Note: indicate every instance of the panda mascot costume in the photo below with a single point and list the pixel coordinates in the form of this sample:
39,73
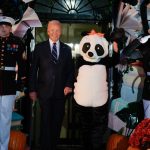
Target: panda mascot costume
91,89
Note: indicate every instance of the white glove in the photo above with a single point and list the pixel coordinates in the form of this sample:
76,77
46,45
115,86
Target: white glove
144,39
19,94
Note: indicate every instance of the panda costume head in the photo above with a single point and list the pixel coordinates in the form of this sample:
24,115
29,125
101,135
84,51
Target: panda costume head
93,47
91,87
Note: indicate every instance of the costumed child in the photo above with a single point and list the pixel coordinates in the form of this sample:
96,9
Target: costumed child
91,89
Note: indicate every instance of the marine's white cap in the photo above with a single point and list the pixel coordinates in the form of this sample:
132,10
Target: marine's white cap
5,19
27,1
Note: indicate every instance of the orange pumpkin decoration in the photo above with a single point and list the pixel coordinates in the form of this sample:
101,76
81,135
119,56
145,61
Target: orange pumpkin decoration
17,140
117,142
133,148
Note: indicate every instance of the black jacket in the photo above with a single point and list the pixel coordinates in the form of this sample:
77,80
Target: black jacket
11,53
47,78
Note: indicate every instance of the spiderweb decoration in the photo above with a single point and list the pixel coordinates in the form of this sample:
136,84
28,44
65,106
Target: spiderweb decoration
130,20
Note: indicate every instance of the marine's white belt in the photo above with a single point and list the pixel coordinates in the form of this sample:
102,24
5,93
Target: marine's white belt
8,68
148,73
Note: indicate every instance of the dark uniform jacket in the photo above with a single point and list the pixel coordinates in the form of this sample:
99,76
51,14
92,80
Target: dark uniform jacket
11,53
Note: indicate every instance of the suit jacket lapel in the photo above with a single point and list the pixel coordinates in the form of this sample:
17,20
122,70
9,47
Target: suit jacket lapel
48,49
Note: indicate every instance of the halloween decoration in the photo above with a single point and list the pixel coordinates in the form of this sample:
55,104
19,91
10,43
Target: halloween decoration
116,141
17,140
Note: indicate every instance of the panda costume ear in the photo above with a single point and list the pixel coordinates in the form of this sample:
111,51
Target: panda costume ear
84,33
118,34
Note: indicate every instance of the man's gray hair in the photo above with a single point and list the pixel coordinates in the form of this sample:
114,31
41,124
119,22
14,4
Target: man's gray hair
55,22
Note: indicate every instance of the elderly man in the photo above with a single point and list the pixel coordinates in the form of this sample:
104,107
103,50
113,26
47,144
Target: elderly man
51,79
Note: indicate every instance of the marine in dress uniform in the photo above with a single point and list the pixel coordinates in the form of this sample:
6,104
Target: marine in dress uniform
11,53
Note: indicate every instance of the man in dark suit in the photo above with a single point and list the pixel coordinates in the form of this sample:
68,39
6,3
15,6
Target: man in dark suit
51,79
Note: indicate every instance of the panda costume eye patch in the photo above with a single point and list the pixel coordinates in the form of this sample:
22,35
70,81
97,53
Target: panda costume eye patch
99,49
86,47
